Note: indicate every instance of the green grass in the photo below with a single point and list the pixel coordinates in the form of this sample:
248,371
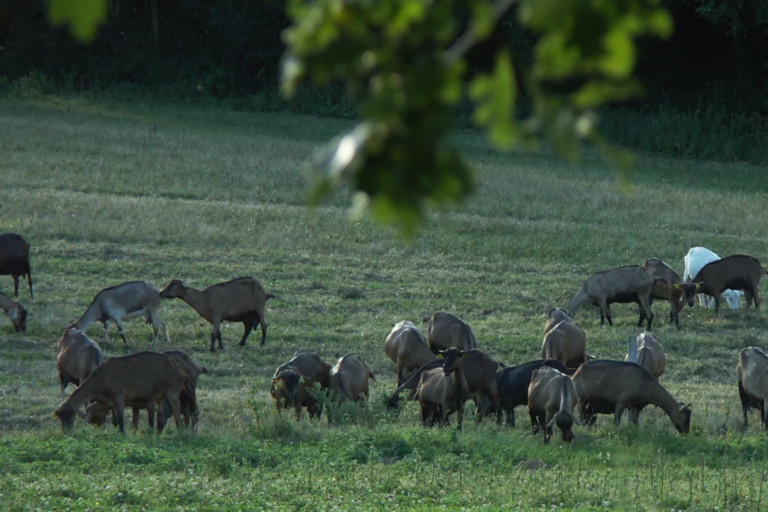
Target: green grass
108,192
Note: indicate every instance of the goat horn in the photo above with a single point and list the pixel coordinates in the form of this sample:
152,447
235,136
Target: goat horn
683,407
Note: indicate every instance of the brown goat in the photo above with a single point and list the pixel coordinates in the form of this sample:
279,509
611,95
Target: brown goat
15,312
552,399
407,348
668,286
445,330
78,357
512,384
609,387
650,355
752,375
442,391
141,378
631,283
564,341
121,302
14,260
480,373
239,300
737,272
293,381
188,397
96,413
349,378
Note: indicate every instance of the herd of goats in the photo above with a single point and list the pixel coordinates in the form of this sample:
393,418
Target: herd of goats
441,369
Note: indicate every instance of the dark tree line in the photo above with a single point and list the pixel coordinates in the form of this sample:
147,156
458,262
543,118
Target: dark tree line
230,48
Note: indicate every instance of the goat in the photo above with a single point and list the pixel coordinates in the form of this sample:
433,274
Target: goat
140,378
650,355
739,272
668,286
14,260
551,399
630,283
122,302
480,373
564,341
188,397
293,381
78,357
442,391
15,312
349,378
96,413
239,300
694,261
512,385
445,330
607,387
752,376
407,348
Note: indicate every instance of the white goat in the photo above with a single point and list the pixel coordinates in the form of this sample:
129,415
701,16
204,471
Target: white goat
696,258
124,301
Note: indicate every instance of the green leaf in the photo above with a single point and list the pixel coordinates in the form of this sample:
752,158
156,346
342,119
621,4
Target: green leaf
84,17
495,95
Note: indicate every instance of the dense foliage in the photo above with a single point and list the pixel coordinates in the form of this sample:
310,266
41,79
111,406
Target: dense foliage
226,47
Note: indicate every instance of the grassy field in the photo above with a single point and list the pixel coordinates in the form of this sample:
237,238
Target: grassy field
108,193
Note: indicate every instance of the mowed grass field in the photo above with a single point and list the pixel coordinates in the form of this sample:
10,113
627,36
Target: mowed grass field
110,192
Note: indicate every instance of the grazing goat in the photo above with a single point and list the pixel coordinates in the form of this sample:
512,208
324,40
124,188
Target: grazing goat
551,399
349,378
480,373
188,397
512,384
293,381
122,302
15,312
752,374
96,413
239,300
668,286
564,341
650,355
445,330
442,391
631,283
609,387
694,261
407,348
138,379
738,272
78,357
14,260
